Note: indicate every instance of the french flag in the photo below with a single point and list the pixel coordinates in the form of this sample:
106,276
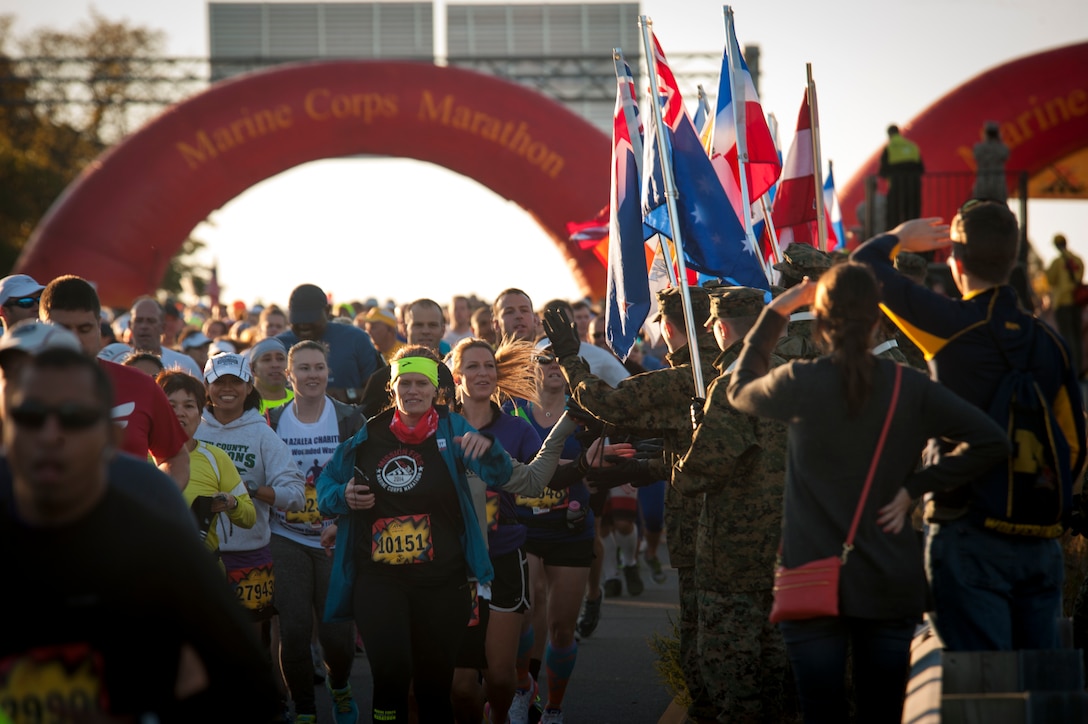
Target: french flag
836,235
628,286
763,164
794,212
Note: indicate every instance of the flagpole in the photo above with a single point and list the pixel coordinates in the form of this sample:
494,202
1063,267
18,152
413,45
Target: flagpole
770,228
740,122
635,132
821,222
670,200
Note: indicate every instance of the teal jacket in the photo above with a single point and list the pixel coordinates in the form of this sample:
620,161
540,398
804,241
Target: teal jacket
493,467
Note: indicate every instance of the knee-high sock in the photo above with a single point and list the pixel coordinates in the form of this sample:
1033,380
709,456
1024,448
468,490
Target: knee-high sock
628,545
608,560
525,645
560,664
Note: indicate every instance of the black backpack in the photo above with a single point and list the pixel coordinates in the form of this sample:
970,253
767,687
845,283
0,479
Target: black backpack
1038,494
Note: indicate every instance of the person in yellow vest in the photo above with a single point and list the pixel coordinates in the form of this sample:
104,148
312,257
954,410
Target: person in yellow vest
901,164
1063,275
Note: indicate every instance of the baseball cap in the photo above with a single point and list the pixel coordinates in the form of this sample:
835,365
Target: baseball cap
194,340
18,285
33,336
384,316
222,346
307,305
227,364
115,352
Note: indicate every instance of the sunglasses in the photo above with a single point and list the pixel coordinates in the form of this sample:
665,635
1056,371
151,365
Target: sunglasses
71,417
544,359
22,302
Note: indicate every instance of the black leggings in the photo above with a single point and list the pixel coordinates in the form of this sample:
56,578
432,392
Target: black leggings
411,634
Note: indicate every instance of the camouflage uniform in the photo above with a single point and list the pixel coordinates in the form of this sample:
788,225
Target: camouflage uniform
737,462
800,261
658,404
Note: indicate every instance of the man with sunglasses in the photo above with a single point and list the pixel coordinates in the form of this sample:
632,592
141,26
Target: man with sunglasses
137,622
141,408
19,296
996,585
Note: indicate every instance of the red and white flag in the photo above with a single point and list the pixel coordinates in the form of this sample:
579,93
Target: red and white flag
794,210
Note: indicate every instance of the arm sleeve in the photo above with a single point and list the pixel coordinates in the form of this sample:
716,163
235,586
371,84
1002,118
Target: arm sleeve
929,319
982,442
645,402
334,478
755,388
282,473
720,443
494,466
245,515
530,479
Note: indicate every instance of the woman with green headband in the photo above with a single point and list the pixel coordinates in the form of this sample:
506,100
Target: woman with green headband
409,541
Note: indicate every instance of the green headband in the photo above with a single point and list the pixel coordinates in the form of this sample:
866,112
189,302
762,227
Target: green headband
419,365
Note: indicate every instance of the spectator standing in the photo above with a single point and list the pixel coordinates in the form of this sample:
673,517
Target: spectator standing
991,154
1063,275
971,344
901,164
851,392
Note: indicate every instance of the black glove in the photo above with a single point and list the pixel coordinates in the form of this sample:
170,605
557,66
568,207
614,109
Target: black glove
633,470
697,404
561,333
568,474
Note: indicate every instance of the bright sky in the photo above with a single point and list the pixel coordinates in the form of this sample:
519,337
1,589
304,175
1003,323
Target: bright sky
875,62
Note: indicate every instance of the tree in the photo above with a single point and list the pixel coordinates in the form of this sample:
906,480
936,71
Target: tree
65,97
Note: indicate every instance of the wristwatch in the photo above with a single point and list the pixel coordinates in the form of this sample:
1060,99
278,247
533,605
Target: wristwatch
251,486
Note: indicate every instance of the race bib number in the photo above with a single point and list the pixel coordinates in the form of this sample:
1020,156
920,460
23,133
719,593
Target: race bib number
492,510
543,504
402,540
254,586
309,515
38,685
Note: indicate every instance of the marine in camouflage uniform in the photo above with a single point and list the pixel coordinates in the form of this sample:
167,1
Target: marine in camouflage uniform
658,404
737,464
800,261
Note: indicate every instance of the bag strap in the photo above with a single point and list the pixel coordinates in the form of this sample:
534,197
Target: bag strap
849,544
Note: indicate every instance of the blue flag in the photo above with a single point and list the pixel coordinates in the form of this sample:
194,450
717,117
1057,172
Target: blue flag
628,288
713,237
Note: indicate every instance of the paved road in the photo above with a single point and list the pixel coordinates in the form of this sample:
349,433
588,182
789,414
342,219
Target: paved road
614,681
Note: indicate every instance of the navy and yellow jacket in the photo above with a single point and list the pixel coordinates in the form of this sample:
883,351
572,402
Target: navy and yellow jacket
958,338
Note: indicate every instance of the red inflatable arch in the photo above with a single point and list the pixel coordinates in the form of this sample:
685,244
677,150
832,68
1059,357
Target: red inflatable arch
123,219
1041,102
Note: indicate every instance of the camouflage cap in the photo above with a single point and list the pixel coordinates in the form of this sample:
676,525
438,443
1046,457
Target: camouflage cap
669,302
912,265
730,302
802,260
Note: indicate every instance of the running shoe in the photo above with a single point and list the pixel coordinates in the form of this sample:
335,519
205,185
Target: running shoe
552,716
657,573
519,707
344,709
613,588
634,580
590,617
